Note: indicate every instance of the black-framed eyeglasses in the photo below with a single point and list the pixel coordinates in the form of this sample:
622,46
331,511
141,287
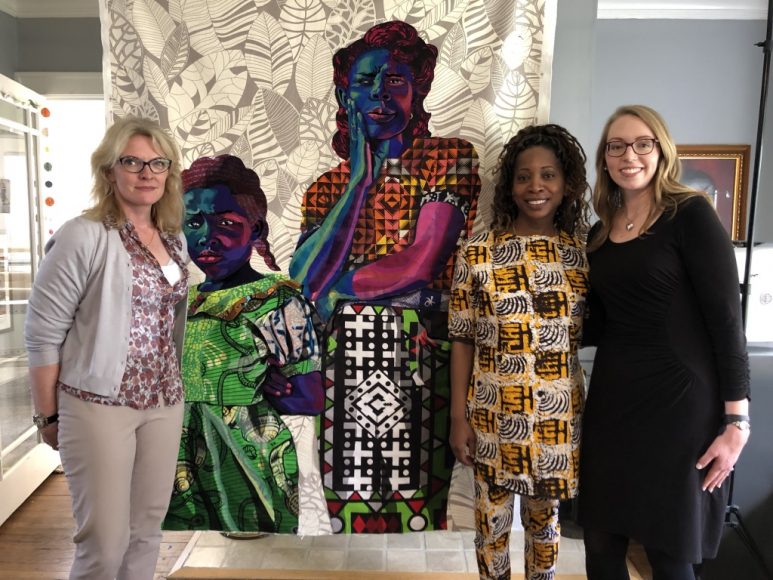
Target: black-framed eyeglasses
136,165
644,146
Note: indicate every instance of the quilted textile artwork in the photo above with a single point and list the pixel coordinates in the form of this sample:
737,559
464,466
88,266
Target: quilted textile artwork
384,456
255,79
238,467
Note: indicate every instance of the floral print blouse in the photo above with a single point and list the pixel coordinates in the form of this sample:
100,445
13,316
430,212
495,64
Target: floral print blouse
152,376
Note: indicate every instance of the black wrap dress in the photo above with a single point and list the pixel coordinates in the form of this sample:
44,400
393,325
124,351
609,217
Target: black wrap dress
665,311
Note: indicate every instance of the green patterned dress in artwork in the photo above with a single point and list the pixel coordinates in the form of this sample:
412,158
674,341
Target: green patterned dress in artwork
237,468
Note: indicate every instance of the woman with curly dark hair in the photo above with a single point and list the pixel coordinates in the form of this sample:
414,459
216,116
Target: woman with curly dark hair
517,388
572,214
379,233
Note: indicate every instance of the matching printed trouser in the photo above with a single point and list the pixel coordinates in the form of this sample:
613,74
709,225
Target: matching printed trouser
494,519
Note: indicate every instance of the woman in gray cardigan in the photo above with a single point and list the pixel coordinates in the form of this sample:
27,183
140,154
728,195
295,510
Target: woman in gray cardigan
103,332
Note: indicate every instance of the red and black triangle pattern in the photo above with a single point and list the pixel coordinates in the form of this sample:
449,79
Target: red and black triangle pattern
387,220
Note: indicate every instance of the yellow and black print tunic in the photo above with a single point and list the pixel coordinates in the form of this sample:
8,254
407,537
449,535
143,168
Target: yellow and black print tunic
520,300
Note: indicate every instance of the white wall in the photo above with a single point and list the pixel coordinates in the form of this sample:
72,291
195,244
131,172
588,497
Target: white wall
75,128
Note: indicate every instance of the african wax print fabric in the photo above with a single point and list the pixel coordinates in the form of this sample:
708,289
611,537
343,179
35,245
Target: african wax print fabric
238,467
384,434
520,300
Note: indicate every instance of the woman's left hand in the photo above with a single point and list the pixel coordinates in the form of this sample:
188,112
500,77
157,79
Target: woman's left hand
276,384
296,395
50,435
722,454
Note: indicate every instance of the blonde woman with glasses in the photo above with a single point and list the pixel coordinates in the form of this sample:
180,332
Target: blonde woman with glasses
667,410
103,332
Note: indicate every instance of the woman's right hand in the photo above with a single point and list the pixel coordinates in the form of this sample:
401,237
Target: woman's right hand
364,161
359,152
462,440
50,435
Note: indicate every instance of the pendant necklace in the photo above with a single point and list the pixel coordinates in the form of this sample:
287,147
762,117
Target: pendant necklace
629,222
152,237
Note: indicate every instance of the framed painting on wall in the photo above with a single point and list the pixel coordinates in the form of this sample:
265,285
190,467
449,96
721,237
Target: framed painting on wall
722,171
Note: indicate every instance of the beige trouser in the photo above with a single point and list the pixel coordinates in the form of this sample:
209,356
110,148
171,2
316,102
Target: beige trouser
120,465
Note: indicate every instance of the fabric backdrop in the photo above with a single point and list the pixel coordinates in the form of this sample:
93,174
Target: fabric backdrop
254,78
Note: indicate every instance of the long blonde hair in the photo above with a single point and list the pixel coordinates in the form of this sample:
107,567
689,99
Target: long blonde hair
668,191
167,212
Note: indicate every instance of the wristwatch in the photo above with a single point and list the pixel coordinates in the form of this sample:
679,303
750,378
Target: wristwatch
739,421
41,420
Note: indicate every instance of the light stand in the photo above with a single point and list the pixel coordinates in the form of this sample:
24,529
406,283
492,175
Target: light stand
734,521
733,517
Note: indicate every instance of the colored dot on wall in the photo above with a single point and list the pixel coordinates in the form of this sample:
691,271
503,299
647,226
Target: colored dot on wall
49,184
51,232
49,201
45,112
47,166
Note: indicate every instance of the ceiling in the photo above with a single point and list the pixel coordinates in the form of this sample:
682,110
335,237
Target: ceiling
699,9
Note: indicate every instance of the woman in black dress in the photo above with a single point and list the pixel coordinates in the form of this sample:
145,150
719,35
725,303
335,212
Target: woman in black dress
667,410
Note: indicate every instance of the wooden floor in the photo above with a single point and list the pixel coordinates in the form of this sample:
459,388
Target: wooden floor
36,541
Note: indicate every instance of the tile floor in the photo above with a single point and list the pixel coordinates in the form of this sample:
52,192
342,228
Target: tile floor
419,552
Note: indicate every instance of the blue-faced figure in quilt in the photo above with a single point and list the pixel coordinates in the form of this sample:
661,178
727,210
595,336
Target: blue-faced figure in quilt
376,255
251,355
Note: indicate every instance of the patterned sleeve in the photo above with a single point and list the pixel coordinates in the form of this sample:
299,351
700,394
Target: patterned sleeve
451,165
461,312
291,334
321,196
575,264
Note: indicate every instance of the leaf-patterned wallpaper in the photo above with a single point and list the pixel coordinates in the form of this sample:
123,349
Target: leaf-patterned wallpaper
254,78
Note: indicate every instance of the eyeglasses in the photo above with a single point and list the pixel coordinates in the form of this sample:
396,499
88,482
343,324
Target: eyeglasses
135,165
640,147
